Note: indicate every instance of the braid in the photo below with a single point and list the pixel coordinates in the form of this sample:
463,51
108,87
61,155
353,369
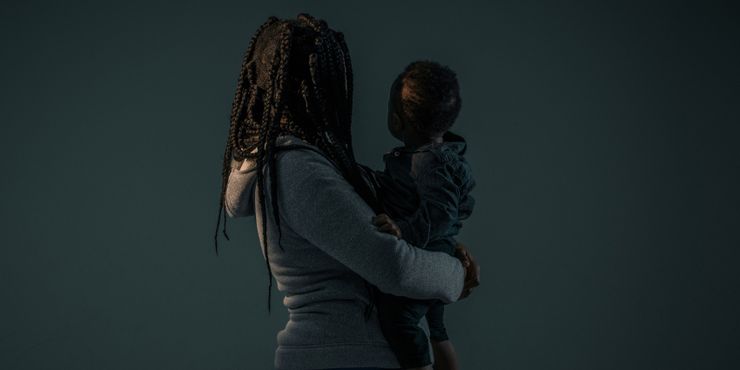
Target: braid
235,107
265,160
311,100
349,84
281,80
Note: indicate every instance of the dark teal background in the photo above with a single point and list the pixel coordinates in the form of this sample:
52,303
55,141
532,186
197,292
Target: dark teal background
604,138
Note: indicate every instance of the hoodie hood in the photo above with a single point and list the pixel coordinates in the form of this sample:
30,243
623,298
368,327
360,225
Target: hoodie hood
239,200
239,197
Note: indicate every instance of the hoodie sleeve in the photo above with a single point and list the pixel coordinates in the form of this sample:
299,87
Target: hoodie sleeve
239,197
321,206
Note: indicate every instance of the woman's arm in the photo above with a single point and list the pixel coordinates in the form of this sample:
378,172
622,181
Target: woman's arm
321,206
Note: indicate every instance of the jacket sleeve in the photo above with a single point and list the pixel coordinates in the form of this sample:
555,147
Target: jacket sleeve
439,198
321,206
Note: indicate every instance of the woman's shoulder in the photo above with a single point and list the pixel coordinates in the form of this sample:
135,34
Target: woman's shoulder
292,150
300,163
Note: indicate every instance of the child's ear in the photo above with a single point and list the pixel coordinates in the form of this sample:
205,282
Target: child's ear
396,122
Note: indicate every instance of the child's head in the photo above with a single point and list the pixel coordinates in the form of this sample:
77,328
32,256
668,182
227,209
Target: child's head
424,101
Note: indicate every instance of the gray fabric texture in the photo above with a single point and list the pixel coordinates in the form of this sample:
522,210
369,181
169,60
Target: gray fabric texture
329,250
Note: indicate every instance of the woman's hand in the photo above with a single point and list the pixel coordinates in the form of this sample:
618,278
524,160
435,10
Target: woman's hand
386,225
472,270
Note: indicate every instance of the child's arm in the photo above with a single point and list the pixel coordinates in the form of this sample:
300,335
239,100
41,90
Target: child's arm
439,199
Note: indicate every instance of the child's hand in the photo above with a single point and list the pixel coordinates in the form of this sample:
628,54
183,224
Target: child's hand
386,225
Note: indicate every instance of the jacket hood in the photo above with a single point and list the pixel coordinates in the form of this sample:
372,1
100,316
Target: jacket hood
455,142
450,140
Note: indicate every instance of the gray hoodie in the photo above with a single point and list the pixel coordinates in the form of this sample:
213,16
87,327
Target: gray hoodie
330,249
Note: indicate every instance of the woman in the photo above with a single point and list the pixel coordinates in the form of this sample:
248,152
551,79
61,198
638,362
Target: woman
289,161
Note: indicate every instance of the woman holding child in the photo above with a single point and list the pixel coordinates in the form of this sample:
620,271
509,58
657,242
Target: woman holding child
289,162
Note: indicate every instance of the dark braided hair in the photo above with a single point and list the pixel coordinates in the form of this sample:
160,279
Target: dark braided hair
295,79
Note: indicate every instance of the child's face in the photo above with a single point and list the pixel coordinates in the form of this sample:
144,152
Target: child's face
395,125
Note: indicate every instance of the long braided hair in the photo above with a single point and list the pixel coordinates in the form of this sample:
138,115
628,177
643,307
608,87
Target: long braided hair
296,79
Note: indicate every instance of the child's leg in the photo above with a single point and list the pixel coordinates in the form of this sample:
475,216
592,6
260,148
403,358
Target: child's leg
445,357
399,319
435,318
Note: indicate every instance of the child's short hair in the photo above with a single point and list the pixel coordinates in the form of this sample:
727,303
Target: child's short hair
428,96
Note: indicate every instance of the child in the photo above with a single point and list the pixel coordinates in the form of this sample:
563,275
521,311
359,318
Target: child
425,192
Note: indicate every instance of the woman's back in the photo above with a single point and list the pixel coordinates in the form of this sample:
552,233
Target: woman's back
328,250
